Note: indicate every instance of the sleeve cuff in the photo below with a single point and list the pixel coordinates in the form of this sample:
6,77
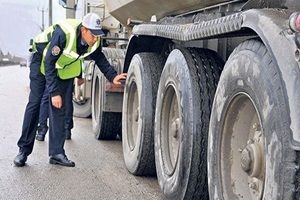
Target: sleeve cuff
53,94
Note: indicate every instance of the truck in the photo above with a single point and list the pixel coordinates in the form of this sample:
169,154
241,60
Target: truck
211,103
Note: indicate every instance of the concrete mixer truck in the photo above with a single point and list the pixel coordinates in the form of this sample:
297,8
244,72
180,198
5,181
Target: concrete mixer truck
211,104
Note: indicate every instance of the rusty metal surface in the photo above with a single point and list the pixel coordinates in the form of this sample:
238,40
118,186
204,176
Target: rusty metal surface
110,87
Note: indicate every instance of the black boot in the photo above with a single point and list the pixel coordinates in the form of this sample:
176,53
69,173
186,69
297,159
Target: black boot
68,134
61,159
40,136
20,159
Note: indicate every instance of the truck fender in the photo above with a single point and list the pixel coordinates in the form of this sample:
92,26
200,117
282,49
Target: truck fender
272,27
142,43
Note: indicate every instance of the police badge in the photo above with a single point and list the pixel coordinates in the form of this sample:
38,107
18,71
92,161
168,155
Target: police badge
55,50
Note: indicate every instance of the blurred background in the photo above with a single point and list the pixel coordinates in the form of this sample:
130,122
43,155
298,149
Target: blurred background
22,20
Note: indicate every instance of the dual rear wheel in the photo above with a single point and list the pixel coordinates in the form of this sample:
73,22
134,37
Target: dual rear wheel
234,144
164,123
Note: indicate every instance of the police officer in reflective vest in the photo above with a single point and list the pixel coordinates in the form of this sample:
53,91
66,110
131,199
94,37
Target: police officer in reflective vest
58,57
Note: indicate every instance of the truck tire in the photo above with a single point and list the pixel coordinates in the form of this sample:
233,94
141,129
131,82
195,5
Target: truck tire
81,102
106,125
185,94
138,113
249,152
82,106
82,109
115,57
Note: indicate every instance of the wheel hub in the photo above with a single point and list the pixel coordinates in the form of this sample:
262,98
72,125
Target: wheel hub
251,160
242,151
246,160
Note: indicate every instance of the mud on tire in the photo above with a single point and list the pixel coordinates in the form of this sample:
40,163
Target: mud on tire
249,128
138,113
185,95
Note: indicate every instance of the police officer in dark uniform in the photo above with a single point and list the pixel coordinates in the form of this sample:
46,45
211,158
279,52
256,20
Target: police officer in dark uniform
59,51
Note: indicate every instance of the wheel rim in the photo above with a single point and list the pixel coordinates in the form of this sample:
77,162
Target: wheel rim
170,130
242,151
133,116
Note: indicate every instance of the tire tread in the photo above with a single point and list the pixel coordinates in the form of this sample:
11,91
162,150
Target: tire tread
154,62
208,66
111,126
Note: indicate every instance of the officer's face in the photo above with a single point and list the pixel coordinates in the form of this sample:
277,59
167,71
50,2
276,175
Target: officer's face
88,37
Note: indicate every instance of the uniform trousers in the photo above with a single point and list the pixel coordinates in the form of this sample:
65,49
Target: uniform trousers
44,110
56,116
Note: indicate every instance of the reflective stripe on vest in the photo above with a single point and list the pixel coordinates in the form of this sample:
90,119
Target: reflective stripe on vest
69,64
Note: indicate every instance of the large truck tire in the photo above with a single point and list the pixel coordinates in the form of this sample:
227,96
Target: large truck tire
249,151
106,125
138,113
185,95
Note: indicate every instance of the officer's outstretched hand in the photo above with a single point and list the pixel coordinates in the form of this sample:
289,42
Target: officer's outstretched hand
120,78
56,101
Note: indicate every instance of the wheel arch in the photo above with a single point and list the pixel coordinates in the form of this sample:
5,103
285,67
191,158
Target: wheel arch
139,44
272,28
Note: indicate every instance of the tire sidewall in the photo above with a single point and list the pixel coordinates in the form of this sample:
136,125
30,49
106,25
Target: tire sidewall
139,75
97,117
248,72
177,74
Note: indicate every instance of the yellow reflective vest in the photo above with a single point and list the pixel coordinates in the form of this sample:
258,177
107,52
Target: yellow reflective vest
69,64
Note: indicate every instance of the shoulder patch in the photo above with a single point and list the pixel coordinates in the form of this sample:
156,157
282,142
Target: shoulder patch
55,50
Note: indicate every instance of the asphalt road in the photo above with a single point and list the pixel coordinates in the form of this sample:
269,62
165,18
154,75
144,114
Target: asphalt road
100,172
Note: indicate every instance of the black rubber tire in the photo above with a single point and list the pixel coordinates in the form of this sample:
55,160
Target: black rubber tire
115,57
82,110
251,70
192,74
138,143
106,125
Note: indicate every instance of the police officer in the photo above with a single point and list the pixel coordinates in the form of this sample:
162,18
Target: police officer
59,52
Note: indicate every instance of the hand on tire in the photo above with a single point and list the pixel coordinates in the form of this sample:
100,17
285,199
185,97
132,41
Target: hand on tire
120,78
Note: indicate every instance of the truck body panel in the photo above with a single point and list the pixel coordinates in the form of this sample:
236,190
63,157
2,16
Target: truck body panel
144,9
